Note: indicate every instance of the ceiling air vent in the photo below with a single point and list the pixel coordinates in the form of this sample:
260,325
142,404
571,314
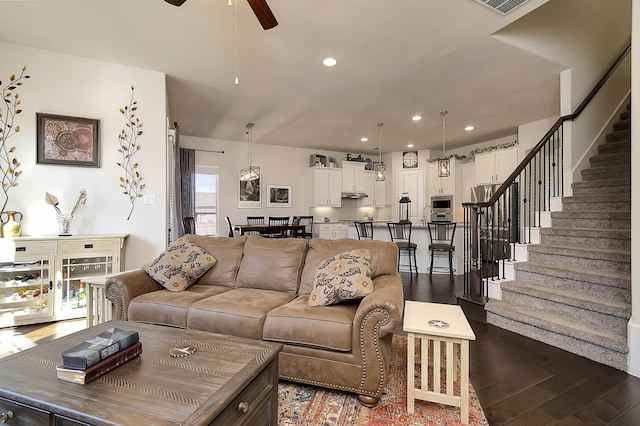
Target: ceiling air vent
502,6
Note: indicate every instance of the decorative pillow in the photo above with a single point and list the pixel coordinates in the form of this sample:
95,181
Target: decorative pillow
344,277
180,265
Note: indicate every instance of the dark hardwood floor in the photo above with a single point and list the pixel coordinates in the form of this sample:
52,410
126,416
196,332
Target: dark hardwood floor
520,381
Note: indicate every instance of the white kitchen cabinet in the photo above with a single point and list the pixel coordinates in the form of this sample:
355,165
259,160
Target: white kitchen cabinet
411,181
495,166
331,231
376,191
43,278
353,176
326,187
441,185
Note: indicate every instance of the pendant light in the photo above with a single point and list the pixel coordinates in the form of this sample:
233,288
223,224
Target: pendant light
250,172
379,167
443,163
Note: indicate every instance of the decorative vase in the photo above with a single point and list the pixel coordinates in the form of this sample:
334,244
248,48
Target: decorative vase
64,222
11,223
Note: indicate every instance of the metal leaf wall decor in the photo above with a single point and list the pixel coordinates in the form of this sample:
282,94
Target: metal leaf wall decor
131,182
9,109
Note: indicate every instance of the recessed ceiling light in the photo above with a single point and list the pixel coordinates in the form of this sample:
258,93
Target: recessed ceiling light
364,139
416,118
410,145
329,62
468,128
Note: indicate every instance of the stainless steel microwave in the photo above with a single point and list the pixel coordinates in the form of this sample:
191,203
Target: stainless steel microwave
442,204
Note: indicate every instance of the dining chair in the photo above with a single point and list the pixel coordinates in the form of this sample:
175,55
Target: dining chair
364,230
400,233
441,236
229,226
307,221
278,222
189,225
255,220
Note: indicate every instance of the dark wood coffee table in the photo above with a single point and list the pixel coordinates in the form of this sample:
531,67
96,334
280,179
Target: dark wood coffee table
228,380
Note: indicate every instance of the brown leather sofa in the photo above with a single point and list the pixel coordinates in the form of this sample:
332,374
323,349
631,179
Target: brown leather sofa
259,289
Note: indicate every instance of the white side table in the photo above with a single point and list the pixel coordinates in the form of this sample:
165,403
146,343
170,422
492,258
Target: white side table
99,308
439,347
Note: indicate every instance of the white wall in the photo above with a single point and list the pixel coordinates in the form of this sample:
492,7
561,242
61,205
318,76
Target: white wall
279,166
70,85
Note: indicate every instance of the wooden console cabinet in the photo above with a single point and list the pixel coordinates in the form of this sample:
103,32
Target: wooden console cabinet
43,278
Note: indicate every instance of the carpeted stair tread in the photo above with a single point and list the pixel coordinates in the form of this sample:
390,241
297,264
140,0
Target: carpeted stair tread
596,277
588,232
618,135
610,158
588,258
595,282
615,146
584,252
600,238
598,198
623,124
602,214
558,324
612,307
593,187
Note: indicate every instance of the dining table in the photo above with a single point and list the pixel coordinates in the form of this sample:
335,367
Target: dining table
293,231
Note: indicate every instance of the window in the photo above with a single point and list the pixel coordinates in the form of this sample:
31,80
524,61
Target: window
206,200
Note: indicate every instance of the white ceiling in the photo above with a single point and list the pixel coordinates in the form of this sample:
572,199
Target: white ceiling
396,59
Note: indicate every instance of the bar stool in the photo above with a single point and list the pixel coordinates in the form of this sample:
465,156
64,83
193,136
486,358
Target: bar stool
441,235
364,230
400,233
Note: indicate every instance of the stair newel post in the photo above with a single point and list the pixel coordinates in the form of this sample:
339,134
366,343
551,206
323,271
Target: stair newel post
475,273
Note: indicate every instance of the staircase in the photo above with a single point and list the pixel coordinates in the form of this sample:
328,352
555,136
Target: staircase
574,292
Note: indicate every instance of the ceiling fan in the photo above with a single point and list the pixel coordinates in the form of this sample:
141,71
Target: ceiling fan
259,7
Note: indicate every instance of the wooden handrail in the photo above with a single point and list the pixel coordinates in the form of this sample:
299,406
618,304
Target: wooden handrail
559,122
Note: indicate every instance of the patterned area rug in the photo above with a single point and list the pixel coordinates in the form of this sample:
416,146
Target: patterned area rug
307,405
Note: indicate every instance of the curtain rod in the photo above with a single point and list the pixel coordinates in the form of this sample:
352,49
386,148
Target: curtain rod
208,150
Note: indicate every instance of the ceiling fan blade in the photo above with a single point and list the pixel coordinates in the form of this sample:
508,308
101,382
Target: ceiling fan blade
263,13
175,2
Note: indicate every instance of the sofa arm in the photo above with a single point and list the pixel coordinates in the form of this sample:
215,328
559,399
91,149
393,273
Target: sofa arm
121,288
378,314
388,297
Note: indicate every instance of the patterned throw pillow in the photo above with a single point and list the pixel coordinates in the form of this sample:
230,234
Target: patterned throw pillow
344,277
180,265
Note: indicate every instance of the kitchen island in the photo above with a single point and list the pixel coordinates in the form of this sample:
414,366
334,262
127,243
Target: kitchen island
420,236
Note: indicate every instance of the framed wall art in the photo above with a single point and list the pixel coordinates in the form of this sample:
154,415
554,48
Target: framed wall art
68,141
278,195
249,194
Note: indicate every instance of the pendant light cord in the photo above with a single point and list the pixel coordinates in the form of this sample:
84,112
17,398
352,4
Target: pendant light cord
443,113
380,142
235,6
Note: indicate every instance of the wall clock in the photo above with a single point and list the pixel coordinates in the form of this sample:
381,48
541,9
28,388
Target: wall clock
409,159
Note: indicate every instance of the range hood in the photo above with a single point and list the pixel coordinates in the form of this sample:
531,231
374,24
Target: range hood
354,195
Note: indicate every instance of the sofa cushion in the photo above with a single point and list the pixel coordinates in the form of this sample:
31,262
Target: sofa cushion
239,312
227,250
384,257
180,265
296,323
343,277
169,307
272,263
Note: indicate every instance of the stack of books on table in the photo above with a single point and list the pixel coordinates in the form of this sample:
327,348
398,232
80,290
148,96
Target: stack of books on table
95,357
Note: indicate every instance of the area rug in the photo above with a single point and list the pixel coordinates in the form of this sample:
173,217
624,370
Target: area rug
310,406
